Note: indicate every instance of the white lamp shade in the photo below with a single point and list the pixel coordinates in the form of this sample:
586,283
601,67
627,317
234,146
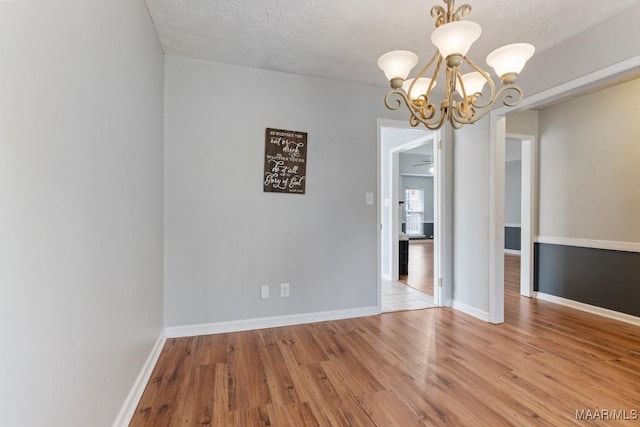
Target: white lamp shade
510,58
420,88
397,63
455,37
473,83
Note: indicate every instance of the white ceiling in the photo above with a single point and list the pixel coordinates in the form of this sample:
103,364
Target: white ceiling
342,39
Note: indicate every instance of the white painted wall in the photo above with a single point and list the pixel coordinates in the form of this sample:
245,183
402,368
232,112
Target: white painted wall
80,207
589,157
224,236
470,217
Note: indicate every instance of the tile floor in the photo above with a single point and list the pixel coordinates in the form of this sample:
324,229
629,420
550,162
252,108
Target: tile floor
397,296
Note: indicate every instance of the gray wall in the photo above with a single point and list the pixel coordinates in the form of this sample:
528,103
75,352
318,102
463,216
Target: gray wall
588,190
512,203
80,207
470,221
598,277
224,237
589,175
512,193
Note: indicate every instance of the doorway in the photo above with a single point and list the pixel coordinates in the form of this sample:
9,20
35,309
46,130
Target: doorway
518,218
417,197
520,239
408,177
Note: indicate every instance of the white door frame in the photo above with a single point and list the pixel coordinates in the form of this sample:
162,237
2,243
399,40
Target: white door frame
497,138
393,227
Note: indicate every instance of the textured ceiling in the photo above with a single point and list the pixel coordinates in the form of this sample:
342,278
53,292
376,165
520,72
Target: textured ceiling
342,39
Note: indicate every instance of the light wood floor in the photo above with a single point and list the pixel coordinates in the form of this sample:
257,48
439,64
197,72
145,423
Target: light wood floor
426,367
420,266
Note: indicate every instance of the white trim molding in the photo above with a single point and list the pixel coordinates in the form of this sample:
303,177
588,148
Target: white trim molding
133,398
512,252
605,312
587,243
267,322
513,225
471,311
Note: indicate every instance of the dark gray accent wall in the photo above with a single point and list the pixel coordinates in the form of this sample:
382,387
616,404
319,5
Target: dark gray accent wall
599,277
427,228
512,238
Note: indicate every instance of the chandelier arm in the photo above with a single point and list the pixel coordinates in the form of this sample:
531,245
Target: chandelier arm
456,124
475,101
462,12
428,110
437,124
509,100
425,115
438,13
423,71
465,109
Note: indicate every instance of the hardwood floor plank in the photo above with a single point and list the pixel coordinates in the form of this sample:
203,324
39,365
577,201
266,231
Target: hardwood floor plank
199,406
279,380
420,275
247,378
385,409
162,400
296,415
253,417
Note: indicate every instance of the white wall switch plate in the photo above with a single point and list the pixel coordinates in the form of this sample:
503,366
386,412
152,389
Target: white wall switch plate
264,292
369,198
284,290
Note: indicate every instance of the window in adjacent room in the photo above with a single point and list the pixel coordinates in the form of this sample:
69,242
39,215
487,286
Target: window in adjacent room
414,205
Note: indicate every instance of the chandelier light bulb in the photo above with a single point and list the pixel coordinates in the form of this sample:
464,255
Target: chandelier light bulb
397,64
510,59
473,83
420,88
455,38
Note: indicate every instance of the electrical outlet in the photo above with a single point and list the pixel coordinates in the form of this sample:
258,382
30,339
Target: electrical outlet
284,290
264,292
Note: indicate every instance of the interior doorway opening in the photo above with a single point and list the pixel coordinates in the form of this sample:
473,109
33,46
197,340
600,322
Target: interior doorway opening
417,199
408,184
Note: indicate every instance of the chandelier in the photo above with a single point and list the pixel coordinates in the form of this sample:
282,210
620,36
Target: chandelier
463,102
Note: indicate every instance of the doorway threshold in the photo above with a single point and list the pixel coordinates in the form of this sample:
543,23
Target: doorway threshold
397,296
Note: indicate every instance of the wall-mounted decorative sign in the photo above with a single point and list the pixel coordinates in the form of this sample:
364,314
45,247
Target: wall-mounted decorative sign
285,161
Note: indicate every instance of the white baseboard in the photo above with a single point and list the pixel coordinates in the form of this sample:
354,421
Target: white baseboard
623,317
268,322
512,252
471,311
131,402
